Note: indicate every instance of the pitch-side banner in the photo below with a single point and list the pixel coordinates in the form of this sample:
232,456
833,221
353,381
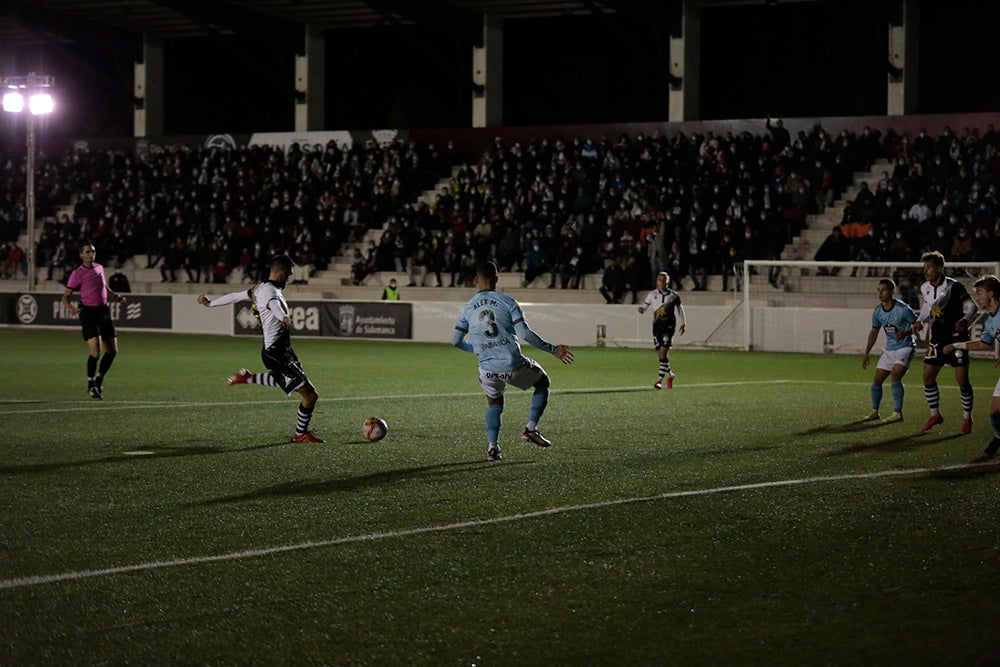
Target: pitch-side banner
336,319
140,311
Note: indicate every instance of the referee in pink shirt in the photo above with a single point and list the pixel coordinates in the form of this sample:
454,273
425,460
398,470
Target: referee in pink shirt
95,316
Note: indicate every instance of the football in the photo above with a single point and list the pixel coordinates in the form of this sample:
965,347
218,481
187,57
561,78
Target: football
375,429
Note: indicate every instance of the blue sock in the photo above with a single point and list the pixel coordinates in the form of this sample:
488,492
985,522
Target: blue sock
995,422
897,397
876,396
538,402
493,413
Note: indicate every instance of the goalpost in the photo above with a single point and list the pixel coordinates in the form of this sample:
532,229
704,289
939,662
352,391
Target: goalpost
785,299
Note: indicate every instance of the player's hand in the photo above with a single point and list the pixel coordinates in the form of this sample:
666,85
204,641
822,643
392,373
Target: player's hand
961,325
564,354
286,321
947,349
997,362
864,361
683,329
203,300
900,335
917,327
641,310
120,298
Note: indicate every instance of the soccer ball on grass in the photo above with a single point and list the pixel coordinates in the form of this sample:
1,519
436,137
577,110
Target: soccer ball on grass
374,429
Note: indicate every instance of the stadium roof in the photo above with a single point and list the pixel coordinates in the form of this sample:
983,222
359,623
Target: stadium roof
27,22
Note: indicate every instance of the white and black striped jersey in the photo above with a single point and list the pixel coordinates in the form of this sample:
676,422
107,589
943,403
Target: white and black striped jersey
269,306
666,306
943,306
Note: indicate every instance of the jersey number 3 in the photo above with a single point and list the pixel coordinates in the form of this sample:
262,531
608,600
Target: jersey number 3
489,319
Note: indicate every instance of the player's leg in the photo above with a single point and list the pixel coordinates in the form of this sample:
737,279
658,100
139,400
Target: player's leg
896,384
533,376
932,366
876,390
994,445
493,385
306,407
965,389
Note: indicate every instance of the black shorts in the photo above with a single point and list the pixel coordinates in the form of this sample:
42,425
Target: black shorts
285,368
663,334
934,357
96,321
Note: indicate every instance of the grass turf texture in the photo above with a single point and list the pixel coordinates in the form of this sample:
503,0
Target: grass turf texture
895,569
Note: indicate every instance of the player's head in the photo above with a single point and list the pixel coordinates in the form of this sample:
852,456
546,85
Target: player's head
987,285
933,265
662,280
487,274
886,287
281,268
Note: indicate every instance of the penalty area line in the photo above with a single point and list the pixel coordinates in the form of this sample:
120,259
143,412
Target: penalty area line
23,582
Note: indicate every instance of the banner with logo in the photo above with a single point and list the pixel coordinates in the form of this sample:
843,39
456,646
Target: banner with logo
336,319
140,311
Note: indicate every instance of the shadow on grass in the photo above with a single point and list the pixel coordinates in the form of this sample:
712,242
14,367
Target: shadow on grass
897,444
989,466
314,488
157,453
849,427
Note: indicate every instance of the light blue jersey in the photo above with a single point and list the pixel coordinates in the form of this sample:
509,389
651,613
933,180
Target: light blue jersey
489,326
991,328
900,318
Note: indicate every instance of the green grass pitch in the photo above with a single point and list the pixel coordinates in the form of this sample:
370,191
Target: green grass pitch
740,518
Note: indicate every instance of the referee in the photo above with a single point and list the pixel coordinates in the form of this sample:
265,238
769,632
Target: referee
95,316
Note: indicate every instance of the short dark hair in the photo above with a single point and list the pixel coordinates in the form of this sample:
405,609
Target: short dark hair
487,270
889,283
936,257
991,283
282,262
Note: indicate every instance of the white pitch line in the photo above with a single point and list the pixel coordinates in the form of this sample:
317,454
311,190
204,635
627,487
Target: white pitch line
23,582
82,406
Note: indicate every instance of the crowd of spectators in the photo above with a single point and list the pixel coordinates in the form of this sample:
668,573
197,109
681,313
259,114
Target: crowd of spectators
558,209
941,194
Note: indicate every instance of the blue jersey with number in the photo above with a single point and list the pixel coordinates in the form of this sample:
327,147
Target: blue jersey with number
900,318
991,328
491,321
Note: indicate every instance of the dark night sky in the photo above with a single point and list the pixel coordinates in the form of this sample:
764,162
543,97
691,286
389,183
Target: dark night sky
802,59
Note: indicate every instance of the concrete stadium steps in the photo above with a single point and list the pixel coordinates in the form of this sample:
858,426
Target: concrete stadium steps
818,227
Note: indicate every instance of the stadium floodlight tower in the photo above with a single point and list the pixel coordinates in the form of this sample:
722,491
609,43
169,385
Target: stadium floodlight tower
22,93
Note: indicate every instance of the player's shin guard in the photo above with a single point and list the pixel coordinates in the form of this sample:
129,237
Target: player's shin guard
305,415
897,397
933,397
493,413
967,397
876,396
91,367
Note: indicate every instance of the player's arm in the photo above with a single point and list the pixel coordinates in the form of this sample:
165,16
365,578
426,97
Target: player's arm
906,333
276,308
872,336
560,352
66,302
681,319
458,338
224,300
970,308
975,345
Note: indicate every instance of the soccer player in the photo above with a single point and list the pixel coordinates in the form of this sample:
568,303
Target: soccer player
897,319
950,310
492,321
283,367
95,316
667,304
986,292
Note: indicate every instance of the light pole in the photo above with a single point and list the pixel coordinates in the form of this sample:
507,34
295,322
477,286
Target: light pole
17,91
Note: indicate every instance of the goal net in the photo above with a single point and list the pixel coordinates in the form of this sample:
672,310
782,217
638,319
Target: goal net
801,306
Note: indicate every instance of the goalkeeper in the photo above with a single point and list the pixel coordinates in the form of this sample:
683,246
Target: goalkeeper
667,310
